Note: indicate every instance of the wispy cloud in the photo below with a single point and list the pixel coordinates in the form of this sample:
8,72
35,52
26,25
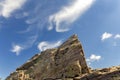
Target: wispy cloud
117,36
21,15
48,45
7,7
106,36
93,58
68,14
30,41
17,49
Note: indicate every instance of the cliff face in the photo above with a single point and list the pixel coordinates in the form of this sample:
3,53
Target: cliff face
67,62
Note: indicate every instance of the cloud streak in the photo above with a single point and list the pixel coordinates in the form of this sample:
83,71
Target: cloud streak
48,45
68,14
7,7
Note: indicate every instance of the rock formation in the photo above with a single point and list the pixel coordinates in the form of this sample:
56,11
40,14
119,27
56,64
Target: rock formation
112,73
67,62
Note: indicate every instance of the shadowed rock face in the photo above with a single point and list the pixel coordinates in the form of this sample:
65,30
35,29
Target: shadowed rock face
67,62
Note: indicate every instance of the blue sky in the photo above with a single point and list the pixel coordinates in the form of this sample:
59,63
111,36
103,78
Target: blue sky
28,27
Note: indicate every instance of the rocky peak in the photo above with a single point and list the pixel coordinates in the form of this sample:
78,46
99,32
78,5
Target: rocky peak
71,40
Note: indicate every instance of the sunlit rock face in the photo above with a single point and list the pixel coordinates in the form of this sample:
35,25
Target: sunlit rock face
67,62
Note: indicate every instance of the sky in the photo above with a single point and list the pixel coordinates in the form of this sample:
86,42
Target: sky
28,27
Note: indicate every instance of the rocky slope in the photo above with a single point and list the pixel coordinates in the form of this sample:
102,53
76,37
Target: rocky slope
67,62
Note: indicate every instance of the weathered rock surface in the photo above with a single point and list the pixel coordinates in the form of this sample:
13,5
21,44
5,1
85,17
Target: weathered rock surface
112,73
67,62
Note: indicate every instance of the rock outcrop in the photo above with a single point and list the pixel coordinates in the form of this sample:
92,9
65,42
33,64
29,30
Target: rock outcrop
67,62
112,73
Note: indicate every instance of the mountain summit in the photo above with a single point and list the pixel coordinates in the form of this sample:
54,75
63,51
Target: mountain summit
67,62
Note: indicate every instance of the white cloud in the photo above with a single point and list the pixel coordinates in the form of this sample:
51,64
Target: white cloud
17,49
106,36
22,46
117,36
9,6
93,58
68,14
114,38
48,45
